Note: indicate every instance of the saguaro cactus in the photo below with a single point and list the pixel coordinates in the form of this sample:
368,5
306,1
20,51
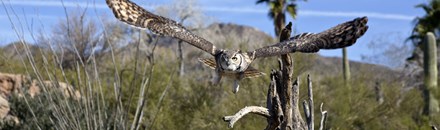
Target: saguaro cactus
430,73
345,65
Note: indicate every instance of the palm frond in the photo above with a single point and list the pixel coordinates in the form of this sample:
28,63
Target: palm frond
271,14
430,22
425,7
292,10
262,1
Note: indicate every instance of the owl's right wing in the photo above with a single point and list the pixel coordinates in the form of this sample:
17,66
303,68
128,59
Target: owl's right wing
342,35
132,14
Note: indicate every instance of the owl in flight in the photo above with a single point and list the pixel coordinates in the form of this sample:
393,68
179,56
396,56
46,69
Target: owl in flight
235,64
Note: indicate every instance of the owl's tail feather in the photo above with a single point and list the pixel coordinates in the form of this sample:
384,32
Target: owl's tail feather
250,72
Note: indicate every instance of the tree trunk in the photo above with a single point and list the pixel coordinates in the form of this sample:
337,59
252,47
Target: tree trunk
289,93
279,22
282,111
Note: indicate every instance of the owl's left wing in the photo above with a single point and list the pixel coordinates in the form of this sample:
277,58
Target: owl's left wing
132,14
342,35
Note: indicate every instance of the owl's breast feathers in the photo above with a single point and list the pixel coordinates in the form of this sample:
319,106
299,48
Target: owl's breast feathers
249,72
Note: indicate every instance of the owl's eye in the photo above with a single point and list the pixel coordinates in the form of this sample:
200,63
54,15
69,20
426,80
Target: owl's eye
234,58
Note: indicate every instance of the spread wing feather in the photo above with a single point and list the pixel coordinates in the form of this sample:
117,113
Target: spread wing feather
209,62
342,35
132,14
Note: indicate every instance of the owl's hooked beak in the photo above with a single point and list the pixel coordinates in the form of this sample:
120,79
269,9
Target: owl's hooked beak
231,67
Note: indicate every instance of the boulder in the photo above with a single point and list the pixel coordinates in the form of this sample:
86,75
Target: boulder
16,84
11,83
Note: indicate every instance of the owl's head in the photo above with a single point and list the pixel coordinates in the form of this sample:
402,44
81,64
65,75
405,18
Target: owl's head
231,61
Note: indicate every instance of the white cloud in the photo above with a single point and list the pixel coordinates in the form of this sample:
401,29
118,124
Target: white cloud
377,15
31,16
311,13
355,14
59,3
234,9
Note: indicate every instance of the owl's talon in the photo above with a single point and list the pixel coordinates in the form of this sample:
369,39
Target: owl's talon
216,79
236,87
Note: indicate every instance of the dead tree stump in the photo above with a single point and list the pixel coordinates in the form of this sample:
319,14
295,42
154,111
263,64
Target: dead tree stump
282,110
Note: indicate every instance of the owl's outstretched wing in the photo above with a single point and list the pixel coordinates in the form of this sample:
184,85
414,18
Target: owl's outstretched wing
132,14
342,35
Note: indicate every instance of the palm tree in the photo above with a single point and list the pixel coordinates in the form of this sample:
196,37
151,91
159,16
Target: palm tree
277,12
428,23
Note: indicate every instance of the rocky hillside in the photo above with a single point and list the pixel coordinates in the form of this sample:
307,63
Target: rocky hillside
243,34
328,66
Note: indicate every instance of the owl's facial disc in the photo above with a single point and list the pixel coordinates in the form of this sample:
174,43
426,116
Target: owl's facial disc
230,61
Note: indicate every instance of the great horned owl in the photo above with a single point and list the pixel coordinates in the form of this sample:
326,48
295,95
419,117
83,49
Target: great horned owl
235,64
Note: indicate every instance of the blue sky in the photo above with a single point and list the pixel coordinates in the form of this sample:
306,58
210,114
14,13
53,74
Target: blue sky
385,16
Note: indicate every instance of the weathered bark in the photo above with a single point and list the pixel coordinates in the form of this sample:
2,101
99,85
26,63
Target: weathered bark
323,118
274,103
250,109
288,92
433,127
275,113
308,106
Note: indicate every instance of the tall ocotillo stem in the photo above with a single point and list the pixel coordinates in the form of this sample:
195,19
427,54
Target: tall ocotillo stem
430,73
181,64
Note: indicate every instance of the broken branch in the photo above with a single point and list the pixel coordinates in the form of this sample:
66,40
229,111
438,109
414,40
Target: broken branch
323,118
262,111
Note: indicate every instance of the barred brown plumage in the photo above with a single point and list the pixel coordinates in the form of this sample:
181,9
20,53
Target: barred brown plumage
340,36
134,15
